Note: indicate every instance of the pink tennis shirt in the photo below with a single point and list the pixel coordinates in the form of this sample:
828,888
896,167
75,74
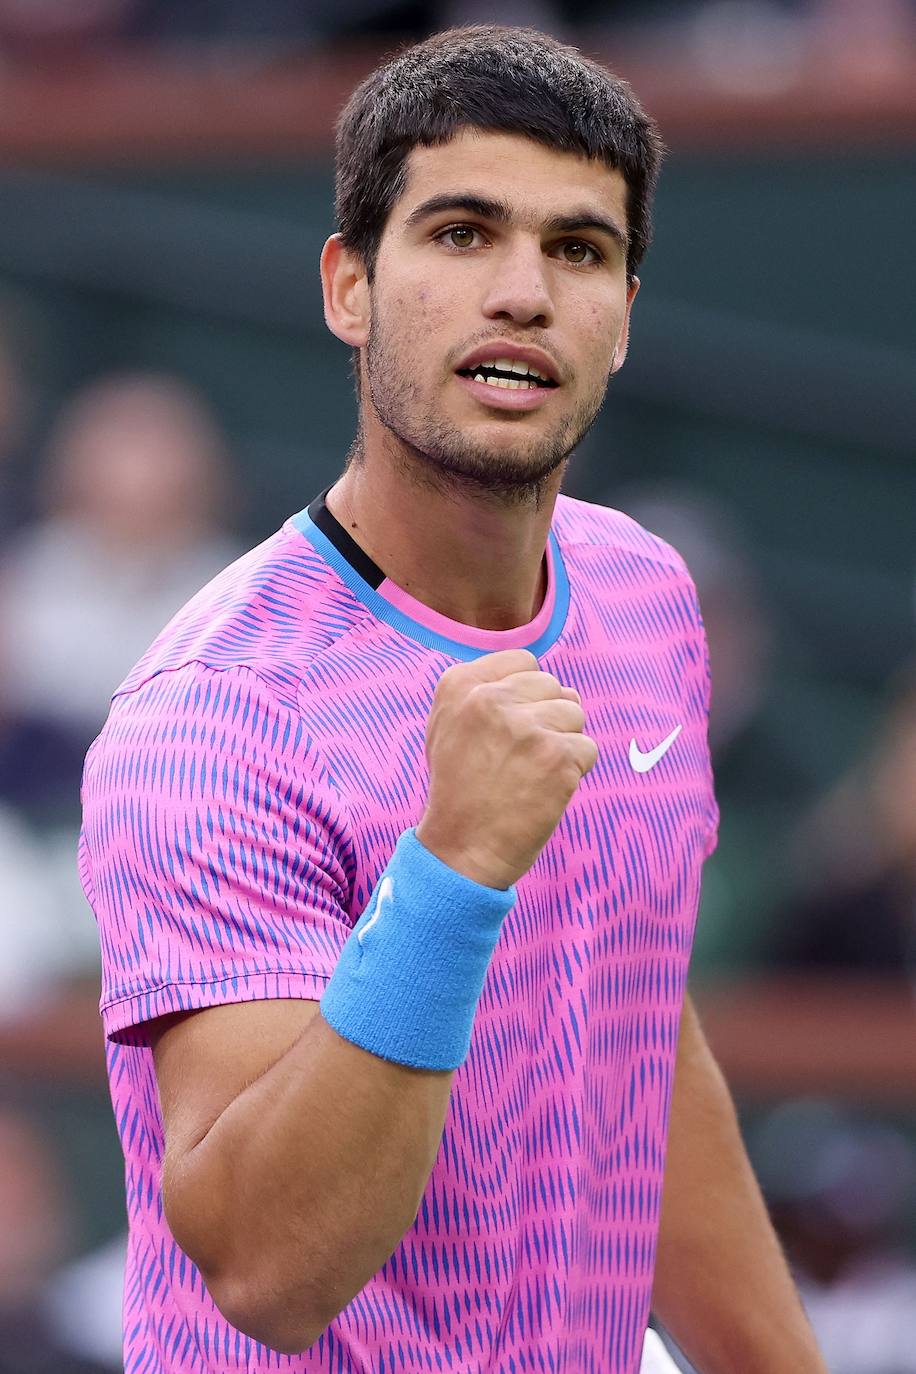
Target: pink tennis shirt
240,804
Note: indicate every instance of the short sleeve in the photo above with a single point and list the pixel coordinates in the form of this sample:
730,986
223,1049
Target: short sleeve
214,850
712,809
701,684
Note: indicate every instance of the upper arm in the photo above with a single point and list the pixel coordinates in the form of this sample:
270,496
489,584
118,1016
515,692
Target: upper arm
695,1060
690,1036
205,1060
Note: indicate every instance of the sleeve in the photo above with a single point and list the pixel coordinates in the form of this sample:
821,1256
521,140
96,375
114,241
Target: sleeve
700,679
214,850
712,810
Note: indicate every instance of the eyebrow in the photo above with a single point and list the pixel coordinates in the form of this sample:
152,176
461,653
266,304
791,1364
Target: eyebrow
500,212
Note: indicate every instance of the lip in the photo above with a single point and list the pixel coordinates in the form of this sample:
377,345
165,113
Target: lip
501,348
507,398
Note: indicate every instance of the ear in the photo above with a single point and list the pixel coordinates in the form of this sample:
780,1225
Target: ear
345,288
623,338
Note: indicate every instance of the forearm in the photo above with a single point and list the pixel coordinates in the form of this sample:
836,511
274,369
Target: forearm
722,1286
305,1184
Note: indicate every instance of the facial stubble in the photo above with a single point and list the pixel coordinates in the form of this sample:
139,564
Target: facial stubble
450,458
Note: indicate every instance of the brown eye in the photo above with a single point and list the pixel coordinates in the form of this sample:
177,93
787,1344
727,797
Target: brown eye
461,236
575,251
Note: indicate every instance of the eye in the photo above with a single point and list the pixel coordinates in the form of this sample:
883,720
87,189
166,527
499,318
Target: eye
578,253
458,236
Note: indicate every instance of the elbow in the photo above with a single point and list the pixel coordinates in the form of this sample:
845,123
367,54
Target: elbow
277,1321
239,1283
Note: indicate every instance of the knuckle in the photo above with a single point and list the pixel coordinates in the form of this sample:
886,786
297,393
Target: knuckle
551,753
575,713
522,728
550,680
589,755
572,776
483,696
445,684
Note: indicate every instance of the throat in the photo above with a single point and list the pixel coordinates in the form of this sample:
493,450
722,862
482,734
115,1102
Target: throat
465,605
475,563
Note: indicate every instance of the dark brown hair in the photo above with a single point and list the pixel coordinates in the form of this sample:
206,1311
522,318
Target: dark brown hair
504,80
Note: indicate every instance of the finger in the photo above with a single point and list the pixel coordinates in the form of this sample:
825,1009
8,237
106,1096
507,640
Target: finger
492,667
530,686
564,716
585,752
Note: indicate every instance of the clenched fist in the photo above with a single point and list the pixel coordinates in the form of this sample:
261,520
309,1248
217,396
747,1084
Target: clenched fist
506,752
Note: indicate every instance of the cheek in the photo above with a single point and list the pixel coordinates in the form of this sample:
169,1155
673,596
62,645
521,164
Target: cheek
423,323
600,331
403,304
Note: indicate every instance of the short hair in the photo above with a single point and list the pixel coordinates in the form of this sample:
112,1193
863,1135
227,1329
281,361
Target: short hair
494,78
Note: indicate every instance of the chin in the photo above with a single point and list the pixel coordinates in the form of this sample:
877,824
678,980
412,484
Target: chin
502,474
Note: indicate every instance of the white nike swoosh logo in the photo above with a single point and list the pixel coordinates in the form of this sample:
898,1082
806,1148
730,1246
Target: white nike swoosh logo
643,762
385,893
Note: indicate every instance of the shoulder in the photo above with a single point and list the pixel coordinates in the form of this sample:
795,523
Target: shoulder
582,525
630,578
268,614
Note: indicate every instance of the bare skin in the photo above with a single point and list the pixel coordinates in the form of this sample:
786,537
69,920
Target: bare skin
465,551
452,493
722,1286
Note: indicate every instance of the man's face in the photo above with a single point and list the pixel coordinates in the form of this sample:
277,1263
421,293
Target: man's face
500,250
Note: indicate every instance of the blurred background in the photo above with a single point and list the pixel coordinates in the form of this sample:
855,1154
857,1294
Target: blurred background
169,394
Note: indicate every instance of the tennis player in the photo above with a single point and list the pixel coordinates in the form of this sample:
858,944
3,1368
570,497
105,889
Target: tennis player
395,834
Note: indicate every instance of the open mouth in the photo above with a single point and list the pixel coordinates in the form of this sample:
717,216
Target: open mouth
510,374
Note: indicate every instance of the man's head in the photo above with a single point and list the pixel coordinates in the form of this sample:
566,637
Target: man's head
502,80
494,193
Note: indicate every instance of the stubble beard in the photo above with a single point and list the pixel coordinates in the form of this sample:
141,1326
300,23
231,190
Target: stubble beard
442,455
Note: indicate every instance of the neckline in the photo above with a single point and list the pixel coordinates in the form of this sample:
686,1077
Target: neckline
397,608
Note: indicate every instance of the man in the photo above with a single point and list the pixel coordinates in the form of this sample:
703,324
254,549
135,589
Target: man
413,1020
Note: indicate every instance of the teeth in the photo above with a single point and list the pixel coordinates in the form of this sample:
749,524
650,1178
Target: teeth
506,383
516,366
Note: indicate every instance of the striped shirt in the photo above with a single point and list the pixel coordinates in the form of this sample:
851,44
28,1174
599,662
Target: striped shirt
246,792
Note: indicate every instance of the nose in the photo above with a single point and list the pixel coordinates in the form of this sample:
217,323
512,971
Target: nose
518,289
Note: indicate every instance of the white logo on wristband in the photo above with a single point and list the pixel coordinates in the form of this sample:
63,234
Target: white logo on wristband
385,893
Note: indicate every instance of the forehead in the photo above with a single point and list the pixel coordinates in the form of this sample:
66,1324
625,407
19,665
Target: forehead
537,181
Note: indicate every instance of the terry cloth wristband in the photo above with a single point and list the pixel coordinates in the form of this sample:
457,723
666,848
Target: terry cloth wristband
411,973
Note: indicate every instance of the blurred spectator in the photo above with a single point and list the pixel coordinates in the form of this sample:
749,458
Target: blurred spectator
855,861
35,1227
32,950
133,490
83,1304
14,404
840,1189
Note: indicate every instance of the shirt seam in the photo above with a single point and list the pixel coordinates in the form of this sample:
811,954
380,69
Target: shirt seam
118,999
444,645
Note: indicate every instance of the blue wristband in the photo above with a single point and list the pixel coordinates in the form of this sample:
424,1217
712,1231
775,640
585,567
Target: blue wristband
410,976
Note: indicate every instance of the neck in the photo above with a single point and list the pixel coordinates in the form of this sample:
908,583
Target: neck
472,556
